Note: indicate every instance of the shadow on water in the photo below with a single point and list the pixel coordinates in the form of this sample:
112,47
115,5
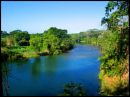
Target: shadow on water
5,73
48,64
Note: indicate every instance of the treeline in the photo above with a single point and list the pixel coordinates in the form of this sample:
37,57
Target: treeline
22,44
90,36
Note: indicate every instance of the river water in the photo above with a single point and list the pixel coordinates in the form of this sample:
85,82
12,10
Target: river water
46,75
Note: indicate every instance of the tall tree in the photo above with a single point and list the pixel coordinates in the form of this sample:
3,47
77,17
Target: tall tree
114,62
117,18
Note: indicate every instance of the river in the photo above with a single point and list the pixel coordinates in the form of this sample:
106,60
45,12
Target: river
46,75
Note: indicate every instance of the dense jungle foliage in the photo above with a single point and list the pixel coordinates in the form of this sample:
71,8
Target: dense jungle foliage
20,44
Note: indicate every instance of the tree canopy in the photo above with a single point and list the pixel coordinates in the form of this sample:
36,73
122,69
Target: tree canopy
21,37
116,19
56,40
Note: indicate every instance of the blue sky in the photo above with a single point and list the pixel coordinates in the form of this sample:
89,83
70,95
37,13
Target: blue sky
37,16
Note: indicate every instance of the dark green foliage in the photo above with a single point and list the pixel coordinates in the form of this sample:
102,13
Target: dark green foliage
4,34
116,19
58,32
15,32
22,37
73,89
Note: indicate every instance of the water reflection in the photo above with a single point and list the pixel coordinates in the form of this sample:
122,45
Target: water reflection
47,64
52,72
36,68
19,63
50,65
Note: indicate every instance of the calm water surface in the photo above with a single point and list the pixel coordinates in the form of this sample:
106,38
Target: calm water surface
46,75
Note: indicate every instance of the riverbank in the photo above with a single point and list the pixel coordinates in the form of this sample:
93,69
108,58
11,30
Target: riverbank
23,53
16,53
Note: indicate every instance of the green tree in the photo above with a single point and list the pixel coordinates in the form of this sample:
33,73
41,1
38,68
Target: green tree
4,33
21,37
36,42
56,41
115,20
51,43
115,46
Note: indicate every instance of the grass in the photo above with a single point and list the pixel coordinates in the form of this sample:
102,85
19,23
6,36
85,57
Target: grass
30,54
115,85
16,53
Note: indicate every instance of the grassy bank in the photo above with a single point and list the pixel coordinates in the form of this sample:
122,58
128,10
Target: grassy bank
24,52
17,53
117,84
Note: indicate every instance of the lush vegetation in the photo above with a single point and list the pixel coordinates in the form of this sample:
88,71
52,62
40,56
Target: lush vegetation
21,45
88,37
114,62
113,42
56,41
114,45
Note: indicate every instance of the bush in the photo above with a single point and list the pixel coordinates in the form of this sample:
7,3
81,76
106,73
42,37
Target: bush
73,89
